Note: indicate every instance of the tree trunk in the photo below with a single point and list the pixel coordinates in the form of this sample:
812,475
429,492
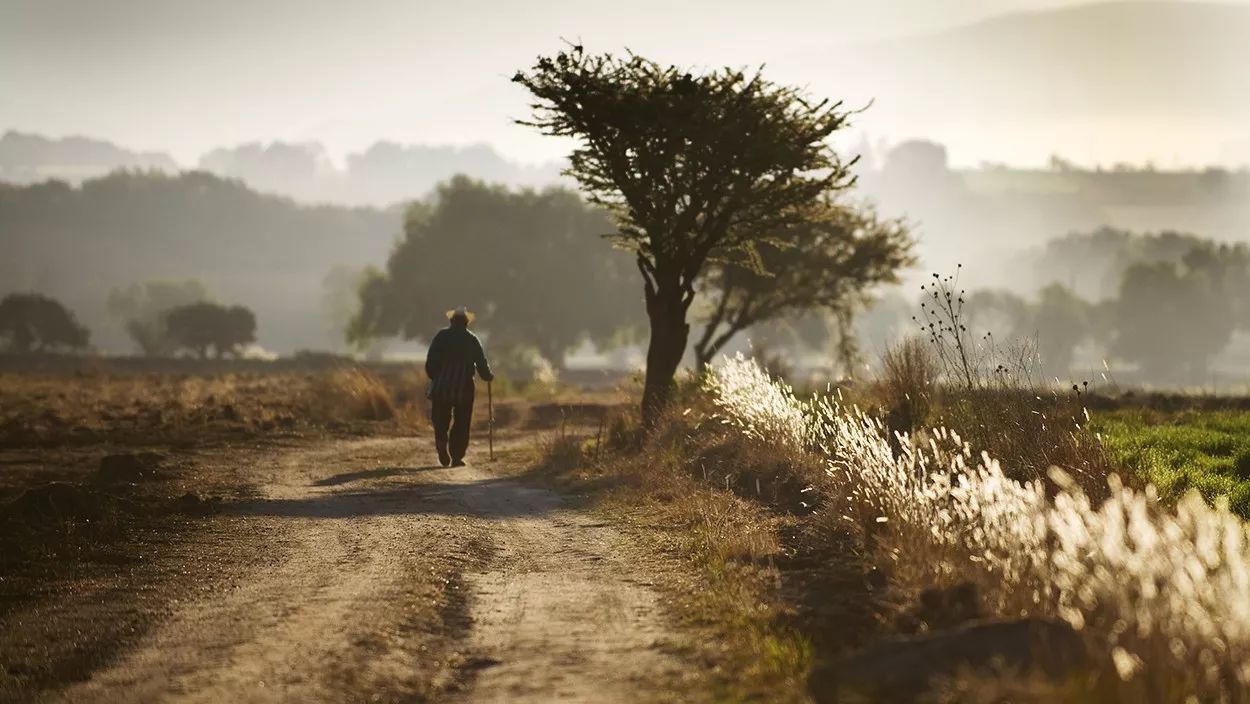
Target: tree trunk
669,333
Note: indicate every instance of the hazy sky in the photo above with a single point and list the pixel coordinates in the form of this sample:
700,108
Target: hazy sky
187,75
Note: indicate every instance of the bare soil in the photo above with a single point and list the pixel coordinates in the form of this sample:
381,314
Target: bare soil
347,569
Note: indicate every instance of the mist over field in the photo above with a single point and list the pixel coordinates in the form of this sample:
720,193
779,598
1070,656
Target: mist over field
993,129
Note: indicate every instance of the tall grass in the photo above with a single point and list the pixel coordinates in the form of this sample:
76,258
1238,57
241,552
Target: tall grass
1161,596
351,394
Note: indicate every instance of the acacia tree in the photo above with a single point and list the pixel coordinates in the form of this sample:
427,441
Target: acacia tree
691,166
826,262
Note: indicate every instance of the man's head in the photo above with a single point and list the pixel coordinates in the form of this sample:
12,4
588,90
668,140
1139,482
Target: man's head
460,317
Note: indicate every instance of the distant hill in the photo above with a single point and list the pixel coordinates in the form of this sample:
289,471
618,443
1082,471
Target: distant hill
384,174
1078,81
266,252
26,158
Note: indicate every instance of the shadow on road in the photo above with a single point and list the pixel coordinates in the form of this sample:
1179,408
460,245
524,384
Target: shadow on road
378,473
484,498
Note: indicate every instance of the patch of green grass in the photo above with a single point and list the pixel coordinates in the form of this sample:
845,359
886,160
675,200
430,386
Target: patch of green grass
1207,451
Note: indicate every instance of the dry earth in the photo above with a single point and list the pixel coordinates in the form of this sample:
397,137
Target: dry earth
353,570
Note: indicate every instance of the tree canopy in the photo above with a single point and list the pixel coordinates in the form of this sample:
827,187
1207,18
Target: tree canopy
828,262
531,264
200,326
31,322
691,166
1171,320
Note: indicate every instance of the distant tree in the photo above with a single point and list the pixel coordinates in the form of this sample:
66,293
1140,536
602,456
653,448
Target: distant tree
918,160
340,297
141,309
692,167
826,263
30,322
530,264
1061,321
1094,263
1052,326
997,311
200,326
1227,267
1170,320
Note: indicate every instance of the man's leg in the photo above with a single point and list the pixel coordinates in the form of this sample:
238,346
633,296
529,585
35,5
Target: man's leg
440,418
460,430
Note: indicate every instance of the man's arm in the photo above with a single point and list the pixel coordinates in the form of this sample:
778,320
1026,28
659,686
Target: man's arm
434,356
479,360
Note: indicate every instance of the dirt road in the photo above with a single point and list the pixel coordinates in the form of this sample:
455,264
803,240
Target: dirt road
373,576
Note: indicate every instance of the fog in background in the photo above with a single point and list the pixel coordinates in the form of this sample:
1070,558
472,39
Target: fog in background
994,127
997,80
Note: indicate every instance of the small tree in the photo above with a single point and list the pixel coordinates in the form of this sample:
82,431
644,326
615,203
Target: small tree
31,322
691,166
825,263
201,326
1062,322
141,308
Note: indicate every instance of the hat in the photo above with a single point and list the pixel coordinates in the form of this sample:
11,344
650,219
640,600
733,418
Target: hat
461,312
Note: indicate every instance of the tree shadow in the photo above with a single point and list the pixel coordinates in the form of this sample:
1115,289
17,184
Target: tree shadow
488,498
377,473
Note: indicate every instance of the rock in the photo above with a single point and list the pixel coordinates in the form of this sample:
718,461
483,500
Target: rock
904,669
192,505
129,468
940,608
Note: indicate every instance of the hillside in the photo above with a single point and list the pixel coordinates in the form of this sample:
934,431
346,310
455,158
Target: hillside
381,175
266,252
26,158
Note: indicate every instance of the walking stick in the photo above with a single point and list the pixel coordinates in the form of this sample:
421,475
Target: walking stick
490,423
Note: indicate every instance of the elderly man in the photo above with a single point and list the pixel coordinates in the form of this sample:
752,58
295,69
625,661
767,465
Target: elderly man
455,353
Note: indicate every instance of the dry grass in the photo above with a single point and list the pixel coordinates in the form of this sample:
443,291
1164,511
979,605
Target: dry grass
350,394
1161,597
1027,426
907,384
84,408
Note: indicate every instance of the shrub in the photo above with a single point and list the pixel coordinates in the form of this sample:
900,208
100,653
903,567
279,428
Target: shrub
907,384
351,394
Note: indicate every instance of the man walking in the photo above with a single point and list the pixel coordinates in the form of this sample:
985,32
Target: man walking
455,353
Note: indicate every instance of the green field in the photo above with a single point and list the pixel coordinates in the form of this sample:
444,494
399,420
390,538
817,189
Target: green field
1176,451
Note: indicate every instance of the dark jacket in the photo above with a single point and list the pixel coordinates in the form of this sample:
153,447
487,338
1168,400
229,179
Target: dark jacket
454,355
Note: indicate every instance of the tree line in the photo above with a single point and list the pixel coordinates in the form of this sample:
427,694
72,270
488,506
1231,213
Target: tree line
1168,303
